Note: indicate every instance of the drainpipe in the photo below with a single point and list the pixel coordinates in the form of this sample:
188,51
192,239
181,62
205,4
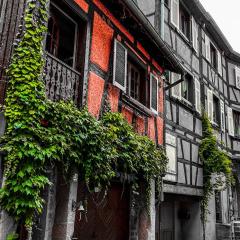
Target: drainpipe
162,19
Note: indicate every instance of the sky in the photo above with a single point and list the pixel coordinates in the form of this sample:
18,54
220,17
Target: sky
227,15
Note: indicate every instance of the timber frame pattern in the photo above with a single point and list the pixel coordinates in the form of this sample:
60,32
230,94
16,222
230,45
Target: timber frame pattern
176,123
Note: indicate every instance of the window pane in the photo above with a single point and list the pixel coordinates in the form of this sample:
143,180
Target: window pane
216,110
136,82
184,21
187,88
61,36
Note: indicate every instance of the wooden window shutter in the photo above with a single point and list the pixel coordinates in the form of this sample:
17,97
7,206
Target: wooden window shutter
194,34
237,76
210,104
154,93
219,63
222,115
175,13
176,90
197,95
230,122
120,66
207,48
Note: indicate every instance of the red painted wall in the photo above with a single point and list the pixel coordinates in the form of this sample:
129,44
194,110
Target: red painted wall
104,27
102,37
83,4
113,97
95,92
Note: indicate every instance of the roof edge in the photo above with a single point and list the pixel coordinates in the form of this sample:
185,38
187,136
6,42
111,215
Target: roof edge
155,37
229,51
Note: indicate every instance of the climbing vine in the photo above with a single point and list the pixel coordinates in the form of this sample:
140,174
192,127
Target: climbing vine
41,133
215,162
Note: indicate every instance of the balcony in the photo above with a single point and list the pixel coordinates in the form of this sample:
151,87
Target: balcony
61,81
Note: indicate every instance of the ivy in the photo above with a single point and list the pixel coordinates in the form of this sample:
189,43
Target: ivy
25,105
41,133
12,236
215,162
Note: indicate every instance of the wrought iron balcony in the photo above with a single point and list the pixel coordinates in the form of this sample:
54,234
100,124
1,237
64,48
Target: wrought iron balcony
61,81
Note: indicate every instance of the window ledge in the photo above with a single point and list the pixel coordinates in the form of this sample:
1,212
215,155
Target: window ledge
131,102
183,37
235,137
187,102
184,103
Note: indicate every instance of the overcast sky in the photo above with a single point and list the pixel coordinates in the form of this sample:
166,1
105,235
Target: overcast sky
227,15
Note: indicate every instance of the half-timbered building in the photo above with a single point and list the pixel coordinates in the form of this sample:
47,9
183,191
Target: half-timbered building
210,84
101,54
161,63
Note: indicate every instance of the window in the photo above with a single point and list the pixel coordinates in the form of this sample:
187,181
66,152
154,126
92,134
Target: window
216,110
184,21
187,88
236,120
218,207
130,75
61,36
213,56
137,84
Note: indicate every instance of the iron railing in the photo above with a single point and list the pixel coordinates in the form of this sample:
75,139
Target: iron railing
61,81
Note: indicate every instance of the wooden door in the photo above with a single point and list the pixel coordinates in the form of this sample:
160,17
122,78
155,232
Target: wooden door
109,221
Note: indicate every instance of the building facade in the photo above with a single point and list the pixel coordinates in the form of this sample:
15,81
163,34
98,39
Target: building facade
103,54
161,63
211,85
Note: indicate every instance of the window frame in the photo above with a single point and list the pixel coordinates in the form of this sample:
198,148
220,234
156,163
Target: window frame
187,32
190,86
133,60
213,56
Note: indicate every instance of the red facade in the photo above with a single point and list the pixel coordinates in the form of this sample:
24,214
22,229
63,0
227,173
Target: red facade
105,29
